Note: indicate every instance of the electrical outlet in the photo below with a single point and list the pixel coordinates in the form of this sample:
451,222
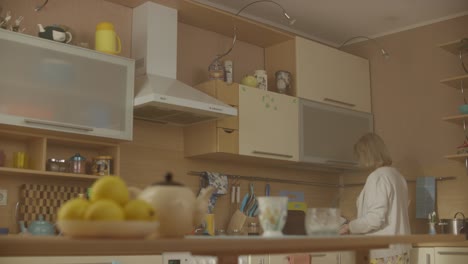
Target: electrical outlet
3,197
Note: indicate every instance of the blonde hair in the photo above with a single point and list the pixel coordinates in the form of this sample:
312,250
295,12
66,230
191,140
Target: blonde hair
372,152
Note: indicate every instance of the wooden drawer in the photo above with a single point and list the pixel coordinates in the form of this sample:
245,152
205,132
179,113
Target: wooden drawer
227,140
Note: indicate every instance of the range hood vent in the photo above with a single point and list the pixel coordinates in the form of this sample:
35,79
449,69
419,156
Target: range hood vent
159,96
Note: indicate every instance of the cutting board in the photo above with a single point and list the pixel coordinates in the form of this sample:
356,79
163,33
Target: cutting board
38,199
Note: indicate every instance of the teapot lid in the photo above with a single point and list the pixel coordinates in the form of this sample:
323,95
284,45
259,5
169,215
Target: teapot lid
168,181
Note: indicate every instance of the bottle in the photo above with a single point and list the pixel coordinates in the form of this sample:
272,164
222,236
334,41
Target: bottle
228,71
106,40
216,70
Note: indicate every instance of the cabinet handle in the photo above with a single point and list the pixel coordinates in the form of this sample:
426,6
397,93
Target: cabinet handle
428,258
452,253
272,154
317,255
341,162
339,102
58,124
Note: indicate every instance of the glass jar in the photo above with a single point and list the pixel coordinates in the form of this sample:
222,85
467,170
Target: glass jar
216,70
77,164
102,165
57,165
252,229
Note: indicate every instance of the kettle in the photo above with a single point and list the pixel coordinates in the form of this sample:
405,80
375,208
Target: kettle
39,227
176,206
106,40
55,33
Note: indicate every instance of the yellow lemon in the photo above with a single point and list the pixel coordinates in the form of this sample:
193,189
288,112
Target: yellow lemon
110,187
139,210
73,209
104,210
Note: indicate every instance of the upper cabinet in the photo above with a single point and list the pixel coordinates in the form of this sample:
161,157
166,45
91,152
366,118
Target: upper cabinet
266,127
55,86
268,124
321,73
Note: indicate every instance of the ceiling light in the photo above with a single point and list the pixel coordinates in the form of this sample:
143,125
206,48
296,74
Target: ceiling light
383,52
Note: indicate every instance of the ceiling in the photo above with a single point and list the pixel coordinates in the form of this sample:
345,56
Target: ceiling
335,21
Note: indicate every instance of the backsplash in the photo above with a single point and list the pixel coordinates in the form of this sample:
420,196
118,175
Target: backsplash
41,199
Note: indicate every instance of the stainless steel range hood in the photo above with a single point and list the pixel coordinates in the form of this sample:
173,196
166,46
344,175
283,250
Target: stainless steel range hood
159,96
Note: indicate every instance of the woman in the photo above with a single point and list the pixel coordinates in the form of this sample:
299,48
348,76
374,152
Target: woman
383,203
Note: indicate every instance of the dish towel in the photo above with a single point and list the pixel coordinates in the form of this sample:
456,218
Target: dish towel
425,196
217,180
299,259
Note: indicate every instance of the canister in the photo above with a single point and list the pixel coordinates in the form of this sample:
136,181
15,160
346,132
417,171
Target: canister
77,164
58,165
261,76
102,165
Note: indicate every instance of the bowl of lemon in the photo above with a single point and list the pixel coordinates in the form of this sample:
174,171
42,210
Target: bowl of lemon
109,213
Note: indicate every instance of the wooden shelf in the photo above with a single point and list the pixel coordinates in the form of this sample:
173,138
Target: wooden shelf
454,47
457,156
220,21
457,119
27,172
456,82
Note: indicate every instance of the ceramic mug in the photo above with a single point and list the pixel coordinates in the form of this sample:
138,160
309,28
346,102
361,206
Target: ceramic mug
106,40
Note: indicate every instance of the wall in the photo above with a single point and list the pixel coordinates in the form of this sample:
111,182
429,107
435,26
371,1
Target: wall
408,102
158,148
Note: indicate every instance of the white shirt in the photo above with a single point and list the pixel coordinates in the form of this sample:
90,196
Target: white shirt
383,209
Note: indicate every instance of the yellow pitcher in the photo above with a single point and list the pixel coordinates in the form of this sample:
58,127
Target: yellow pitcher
106,39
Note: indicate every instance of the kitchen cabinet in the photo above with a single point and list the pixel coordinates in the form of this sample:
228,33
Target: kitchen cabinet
39,148
458,48
328,133
339,257
84,260
49,85
322,73
422,255
439,255
266,127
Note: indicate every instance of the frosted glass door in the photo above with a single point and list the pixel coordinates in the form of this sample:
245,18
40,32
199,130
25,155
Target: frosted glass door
61,87
328,133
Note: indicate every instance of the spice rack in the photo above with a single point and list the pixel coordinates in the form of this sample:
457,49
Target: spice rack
458,48
40,148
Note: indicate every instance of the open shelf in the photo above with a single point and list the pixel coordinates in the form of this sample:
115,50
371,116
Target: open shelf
26,172
456,81
457,156
455,46
458,119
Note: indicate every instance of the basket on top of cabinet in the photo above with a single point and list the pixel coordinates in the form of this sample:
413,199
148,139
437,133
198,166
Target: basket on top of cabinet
54,86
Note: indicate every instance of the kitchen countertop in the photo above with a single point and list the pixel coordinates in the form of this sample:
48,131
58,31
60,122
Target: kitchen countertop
219,246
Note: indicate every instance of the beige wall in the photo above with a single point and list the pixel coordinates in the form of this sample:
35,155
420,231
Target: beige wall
157,148
408,102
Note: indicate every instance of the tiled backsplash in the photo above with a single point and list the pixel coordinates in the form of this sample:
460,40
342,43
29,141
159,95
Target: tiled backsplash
37,199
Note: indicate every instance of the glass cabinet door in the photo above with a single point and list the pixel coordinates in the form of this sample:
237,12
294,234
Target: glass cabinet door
50,85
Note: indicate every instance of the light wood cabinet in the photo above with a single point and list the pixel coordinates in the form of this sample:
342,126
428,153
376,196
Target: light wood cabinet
452,255
39,148
53,86
267,125
322,73
422,256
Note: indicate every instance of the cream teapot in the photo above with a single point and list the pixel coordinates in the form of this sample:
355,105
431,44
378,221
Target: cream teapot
176,206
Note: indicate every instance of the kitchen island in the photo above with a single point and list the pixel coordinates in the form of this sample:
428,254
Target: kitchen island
225,248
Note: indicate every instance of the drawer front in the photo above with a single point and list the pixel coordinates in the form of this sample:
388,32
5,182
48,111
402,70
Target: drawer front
229,122
228,140
228,93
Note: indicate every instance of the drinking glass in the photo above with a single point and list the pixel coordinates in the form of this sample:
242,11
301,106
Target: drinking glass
20,160
322,221
273,213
